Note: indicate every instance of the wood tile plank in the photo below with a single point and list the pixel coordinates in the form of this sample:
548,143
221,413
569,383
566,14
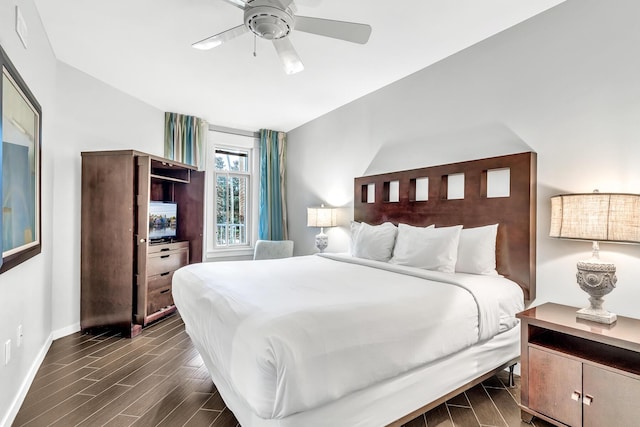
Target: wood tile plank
152,397
215,402
171,369
63,372
130,345
29,412
163,326
166,405
439,416
46,369
493,381
202,418
508,406
113,377
121,421
168,335
88,408
87,351
117,362
463,416
67,342
105,350
117,405
65,353
41,393
154,364
185,410
52,415
459,400
226,419
484,408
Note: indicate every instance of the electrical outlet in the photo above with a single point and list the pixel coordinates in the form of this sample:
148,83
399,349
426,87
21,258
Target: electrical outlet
7,352
19,335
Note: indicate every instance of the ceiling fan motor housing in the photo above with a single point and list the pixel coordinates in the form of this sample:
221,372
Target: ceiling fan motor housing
268,22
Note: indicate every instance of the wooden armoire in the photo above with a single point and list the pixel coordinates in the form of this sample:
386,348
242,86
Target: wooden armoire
125,278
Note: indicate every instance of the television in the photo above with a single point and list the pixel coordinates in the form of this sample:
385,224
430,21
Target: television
163,221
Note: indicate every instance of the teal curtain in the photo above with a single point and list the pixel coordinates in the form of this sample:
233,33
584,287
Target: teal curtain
185,139
273,207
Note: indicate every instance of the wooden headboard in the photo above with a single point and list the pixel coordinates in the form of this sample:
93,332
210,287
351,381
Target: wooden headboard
515,214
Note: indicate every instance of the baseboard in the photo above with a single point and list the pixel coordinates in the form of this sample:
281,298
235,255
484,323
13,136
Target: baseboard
68,330
24,388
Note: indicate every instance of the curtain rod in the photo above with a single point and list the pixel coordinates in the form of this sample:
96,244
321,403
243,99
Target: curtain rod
233,131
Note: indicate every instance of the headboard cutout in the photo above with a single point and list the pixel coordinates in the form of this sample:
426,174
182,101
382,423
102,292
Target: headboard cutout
515,214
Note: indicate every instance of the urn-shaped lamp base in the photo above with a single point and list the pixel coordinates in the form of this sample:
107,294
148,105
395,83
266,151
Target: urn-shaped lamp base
597,278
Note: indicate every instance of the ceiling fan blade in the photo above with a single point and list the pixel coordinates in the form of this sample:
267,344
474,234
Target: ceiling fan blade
288,55
218,39
349,31
237,3
285,3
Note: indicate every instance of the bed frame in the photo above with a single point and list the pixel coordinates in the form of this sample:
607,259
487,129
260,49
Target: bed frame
515,214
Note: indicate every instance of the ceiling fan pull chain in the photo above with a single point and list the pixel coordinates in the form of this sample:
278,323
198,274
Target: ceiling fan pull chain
254,46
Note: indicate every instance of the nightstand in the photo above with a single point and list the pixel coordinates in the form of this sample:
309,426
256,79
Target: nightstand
576,372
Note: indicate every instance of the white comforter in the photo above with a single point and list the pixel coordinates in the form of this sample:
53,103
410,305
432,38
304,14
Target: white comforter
293,334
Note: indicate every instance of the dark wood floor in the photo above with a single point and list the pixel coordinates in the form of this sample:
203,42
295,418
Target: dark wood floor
158,379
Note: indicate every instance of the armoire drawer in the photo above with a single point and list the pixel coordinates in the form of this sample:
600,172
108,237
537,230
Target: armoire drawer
158,299
159,281
168,261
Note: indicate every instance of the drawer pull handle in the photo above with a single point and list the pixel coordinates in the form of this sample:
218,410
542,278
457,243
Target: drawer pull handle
164,274
575,396
587,400
165,256
165,291
165,249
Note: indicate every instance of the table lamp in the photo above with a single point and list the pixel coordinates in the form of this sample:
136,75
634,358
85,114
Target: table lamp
321,217
599,217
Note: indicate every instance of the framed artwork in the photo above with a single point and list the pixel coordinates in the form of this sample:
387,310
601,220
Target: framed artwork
20,168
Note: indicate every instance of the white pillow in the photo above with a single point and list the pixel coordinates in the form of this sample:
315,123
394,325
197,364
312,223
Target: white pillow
373,241
355,227
427,247
477,250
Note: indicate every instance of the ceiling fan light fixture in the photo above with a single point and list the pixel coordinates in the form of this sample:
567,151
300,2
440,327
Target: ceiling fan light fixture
268,22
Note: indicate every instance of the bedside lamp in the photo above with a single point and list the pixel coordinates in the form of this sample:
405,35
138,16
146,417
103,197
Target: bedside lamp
321,217
599,217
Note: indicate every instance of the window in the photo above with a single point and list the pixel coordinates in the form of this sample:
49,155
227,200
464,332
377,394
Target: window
232,197
231,194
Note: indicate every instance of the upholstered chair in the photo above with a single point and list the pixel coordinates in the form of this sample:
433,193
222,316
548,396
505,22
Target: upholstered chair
272,249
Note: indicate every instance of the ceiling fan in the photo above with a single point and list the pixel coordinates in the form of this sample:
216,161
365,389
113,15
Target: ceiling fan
275,19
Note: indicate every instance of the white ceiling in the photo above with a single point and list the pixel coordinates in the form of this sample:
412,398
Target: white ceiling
143,48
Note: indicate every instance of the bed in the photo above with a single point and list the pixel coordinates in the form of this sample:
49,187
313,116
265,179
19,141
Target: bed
359,339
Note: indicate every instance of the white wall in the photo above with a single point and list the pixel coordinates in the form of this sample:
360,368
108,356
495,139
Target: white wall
80,113
564,83
92,116
25,291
